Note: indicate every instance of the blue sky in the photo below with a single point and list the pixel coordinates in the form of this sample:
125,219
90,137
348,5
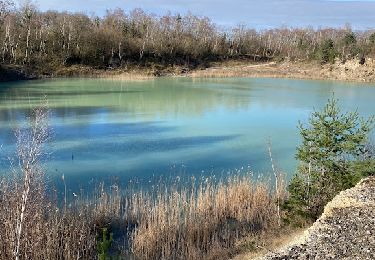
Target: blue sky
254,13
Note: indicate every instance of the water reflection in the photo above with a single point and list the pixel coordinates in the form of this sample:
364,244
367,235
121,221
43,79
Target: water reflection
145,128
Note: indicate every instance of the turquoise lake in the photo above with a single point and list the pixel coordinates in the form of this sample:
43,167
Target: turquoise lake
106,129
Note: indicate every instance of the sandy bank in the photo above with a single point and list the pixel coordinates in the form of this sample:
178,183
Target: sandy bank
349,71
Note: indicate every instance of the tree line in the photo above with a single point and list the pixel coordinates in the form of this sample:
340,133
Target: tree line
31,37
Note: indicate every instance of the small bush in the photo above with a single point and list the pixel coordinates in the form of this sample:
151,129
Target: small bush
327,52
104,244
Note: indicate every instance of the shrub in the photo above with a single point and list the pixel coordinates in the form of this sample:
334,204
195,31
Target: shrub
333,157
326,52
104,244
372,38
350,39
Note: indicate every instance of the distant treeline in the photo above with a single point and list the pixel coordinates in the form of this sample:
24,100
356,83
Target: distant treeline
31,37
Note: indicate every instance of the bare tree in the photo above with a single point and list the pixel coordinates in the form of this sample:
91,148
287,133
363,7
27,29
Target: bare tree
30,151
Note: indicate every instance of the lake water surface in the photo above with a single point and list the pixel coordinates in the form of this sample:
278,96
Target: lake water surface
104,128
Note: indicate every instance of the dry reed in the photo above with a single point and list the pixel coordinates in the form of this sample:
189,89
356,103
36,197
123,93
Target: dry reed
196,224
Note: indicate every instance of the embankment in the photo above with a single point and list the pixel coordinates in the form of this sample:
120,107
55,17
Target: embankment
344,231
352,70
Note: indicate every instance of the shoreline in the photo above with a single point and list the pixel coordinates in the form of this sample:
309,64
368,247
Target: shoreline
350,71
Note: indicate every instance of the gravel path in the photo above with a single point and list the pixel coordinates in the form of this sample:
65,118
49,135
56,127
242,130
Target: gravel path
346,230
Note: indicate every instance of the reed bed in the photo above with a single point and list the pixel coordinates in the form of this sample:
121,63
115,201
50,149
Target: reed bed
199,220
47,232
203,223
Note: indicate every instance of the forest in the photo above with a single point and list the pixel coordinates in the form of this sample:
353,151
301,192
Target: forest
122,39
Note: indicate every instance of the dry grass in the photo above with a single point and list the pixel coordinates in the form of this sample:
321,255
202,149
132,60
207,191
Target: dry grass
262,70
202,220
47,233
195,224
258,245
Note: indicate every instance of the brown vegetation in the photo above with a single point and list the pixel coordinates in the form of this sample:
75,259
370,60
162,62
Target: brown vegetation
256,246
198,224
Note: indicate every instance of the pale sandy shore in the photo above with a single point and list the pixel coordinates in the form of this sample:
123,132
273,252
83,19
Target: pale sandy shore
349,71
